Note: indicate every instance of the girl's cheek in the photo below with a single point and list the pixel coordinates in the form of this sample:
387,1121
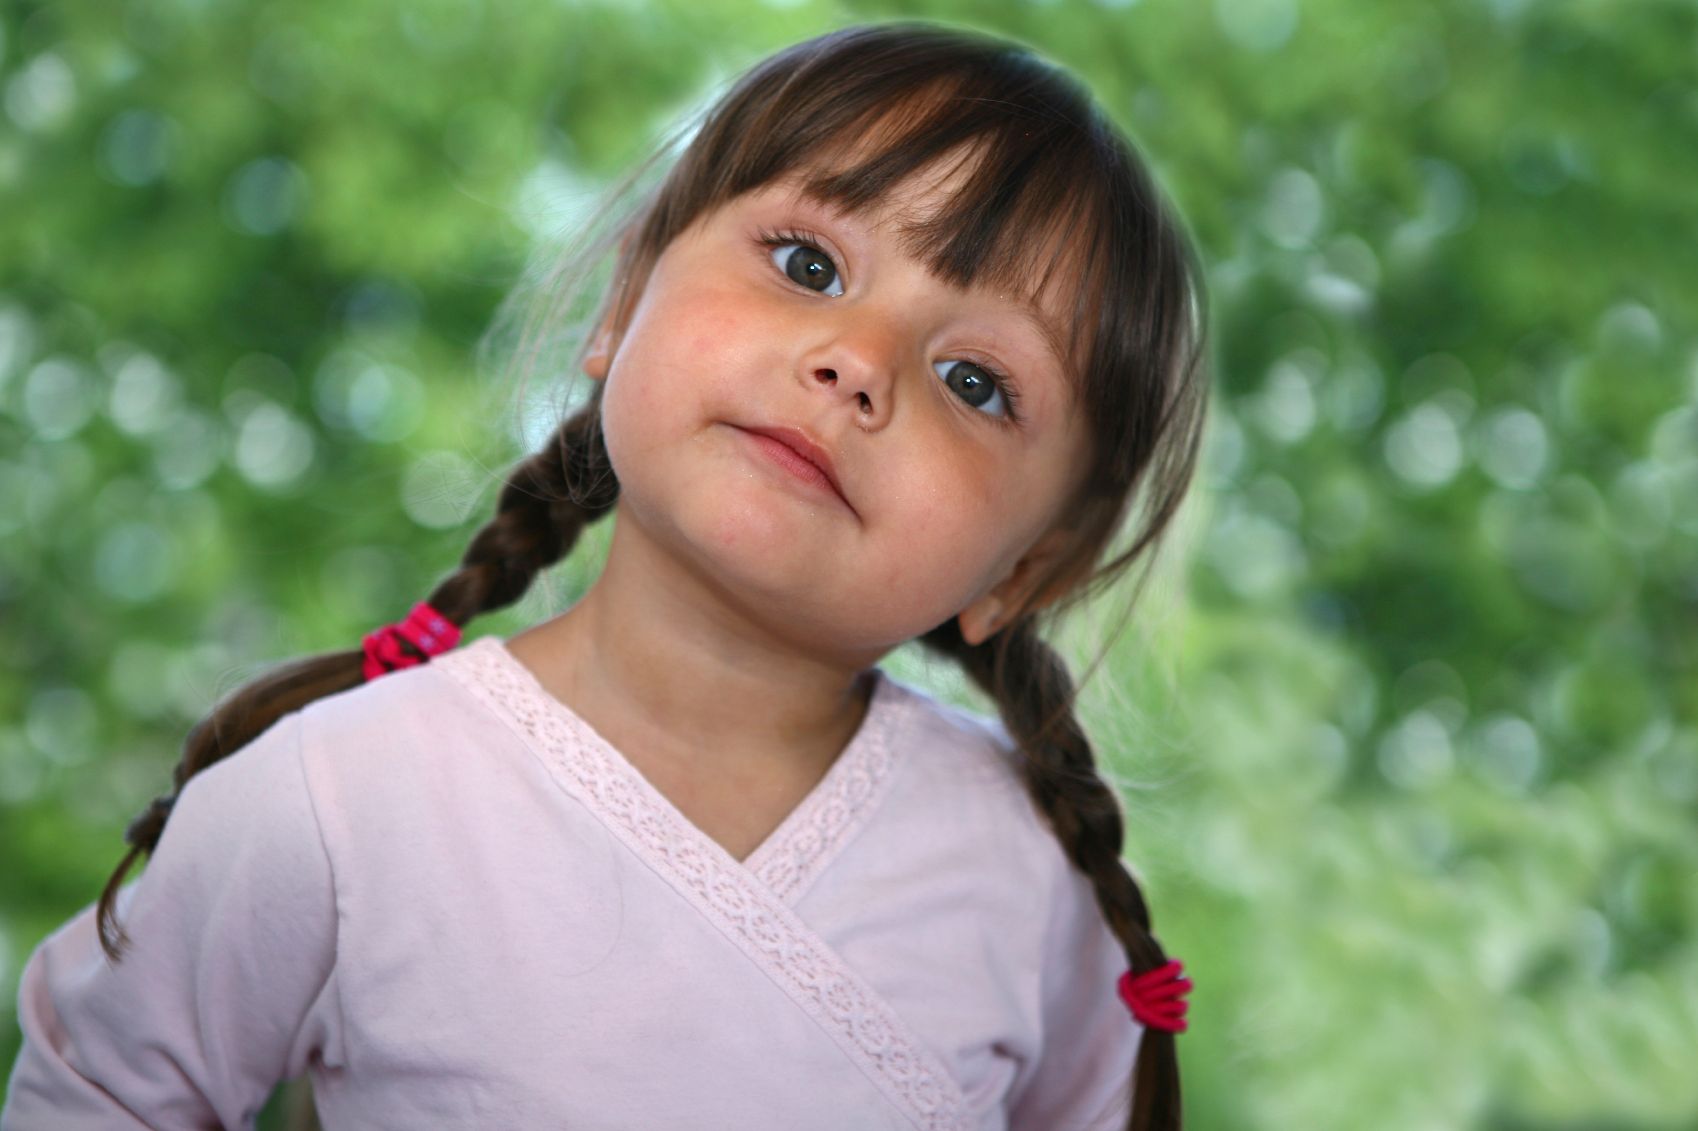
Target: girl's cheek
958,489
721,328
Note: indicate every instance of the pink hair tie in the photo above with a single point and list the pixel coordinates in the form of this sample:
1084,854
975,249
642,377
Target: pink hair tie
425,629
1156,996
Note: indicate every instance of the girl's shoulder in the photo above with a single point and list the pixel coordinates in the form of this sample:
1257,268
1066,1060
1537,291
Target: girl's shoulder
964,744
977,774
417,737
402,708
970,767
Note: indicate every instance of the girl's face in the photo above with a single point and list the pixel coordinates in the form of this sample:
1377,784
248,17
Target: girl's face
945,415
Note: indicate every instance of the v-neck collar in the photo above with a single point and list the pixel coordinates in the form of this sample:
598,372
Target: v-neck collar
752,902
795,852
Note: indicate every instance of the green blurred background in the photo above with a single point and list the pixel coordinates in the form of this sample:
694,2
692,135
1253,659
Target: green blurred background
1407,727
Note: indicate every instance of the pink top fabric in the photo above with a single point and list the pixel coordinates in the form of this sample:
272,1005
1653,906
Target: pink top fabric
457,906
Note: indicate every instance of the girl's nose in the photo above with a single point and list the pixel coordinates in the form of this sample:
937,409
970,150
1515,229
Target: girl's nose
864,400
860,370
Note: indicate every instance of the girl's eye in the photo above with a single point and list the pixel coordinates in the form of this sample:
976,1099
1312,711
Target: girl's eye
805,264
797,255
978,386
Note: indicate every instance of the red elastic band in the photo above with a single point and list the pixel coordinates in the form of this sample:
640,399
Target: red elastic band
1156,997
424,628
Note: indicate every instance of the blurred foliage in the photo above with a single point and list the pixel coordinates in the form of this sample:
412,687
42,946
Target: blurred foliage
1409,743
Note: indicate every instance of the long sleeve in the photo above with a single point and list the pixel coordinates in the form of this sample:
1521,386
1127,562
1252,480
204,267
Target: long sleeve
226,988
1083,1080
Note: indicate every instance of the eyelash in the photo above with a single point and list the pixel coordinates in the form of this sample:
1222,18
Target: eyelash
1004,384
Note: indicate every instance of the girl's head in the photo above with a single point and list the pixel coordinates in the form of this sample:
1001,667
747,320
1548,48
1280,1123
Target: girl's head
868,212
772,311
930,253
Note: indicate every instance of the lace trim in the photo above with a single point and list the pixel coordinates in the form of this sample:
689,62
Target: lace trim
734,898
789,860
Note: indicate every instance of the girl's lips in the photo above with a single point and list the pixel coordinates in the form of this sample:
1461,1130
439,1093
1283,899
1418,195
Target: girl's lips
798,455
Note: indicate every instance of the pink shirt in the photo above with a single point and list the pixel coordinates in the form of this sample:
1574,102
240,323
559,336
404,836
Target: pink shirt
457,906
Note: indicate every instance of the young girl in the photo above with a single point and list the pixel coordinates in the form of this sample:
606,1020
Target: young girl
886,356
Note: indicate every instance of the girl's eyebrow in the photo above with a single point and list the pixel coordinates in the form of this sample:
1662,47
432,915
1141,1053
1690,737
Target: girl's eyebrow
1027,311
1032,315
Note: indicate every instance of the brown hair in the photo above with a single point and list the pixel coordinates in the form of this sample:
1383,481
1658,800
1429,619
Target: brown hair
1054,165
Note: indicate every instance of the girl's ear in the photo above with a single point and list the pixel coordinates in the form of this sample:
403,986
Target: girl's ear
600,356
611,332
986,615
605,344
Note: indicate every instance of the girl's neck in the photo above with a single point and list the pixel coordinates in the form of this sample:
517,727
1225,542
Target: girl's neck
657,667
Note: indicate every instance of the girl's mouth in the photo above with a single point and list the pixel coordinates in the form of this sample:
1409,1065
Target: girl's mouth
799,456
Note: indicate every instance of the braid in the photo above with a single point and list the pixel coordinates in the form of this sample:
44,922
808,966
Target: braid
1034,694
543,508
